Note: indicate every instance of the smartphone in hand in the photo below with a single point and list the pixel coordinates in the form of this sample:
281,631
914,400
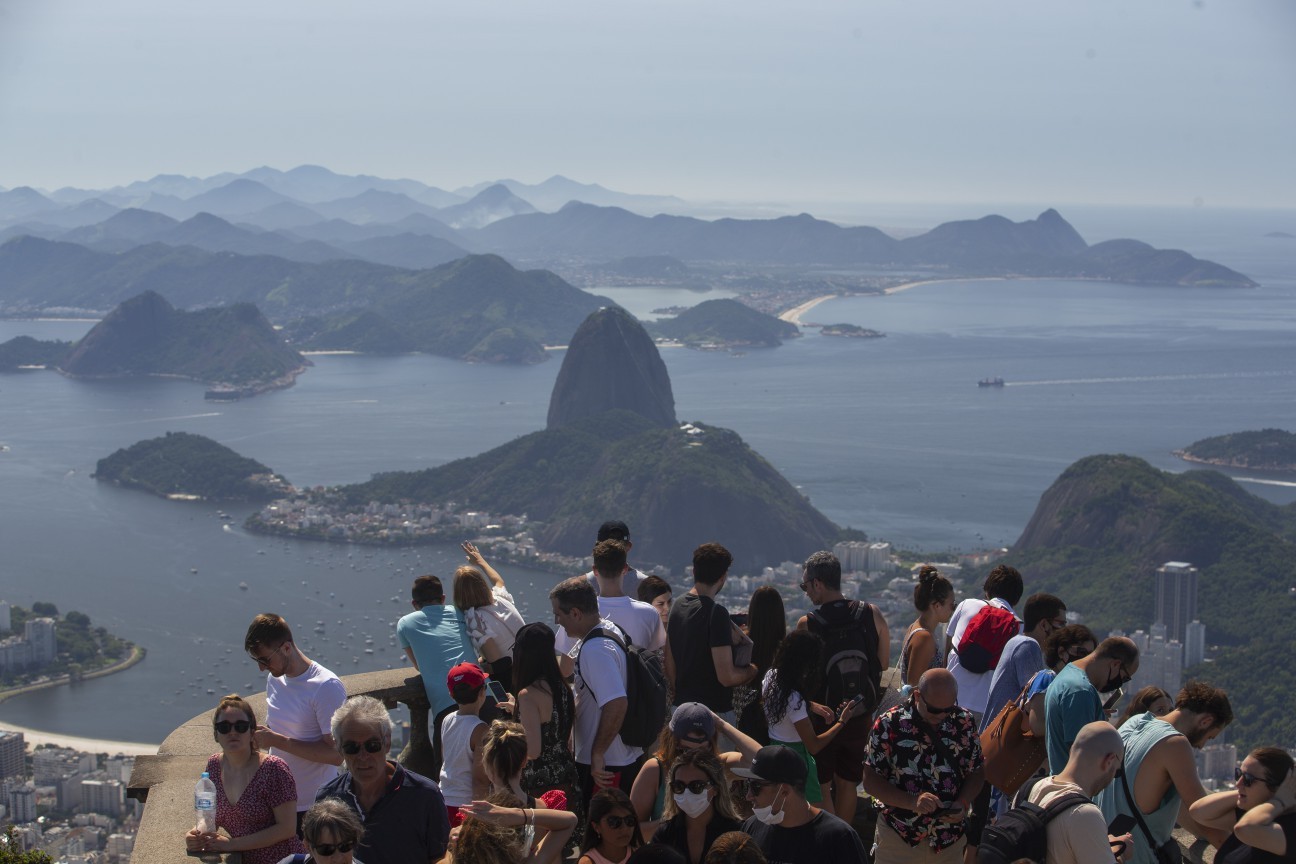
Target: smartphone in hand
1123,824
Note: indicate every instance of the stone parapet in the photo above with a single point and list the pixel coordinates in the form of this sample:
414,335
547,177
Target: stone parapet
165,782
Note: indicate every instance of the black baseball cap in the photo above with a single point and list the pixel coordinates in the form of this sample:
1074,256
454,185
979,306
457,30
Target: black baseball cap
613,530
776,764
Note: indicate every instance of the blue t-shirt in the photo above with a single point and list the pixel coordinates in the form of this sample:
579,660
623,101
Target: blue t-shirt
439,640
1069,703
1021,659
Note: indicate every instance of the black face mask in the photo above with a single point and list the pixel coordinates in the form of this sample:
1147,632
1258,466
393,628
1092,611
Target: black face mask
1112,686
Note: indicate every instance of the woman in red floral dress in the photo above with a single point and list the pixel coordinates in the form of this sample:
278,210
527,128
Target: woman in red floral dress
256,798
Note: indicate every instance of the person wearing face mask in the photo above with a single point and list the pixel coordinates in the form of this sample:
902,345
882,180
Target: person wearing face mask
786,827
1081,692
1159,784
924,764
698,808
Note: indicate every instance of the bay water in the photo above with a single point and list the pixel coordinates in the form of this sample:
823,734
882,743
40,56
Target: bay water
891,435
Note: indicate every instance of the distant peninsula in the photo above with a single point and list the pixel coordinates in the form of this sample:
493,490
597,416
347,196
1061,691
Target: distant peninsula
724,324
850,331
184,466
1265,450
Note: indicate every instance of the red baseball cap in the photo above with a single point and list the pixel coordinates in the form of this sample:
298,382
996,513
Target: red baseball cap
465,673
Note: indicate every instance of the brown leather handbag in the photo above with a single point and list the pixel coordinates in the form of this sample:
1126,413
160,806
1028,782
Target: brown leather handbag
1012,753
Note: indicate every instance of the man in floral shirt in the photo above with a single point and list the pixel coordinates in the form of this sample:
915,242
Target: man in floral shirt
924,764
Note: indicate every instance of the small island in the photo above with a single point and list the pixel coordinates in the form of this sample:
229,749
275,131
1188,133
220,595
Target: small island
850,331
1265,450
187,467
716,324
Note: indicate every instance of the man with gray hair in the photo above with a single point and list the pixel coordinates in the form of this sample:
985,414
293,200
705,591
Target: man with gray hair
403,813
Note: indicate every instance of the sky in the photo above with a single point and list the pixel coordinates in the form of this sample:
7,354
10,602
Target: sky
1156,102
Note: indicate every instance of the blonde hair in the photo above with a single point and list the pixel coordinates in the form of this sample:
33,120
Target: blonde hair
482,842
706,762
470,589
504,752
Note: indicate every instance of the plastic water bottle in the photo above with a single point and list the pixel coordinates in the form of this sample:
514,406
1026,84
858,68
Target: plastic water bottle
205,804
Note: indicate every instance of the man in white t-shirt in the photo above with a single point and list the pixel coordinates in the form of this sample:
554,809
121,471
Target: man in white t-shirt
301,696
639,621
1003,587
630,579
1079,835
603,759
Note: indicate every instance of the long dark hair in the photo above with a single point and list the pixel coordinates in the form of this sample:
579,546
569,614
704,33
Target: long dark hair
798,667
766,625
603,803
534,660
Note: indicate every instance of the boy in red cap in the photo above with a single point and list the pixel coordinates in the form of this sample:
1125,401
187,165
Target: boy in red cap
463,774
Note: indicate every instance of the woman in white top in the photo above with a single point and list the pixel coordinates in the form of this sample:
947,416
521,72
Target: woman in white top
489,614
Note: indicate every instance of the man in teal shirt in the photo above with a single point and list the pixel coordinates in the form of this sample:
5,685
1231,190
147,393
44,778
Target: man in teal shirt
1075,698
435,640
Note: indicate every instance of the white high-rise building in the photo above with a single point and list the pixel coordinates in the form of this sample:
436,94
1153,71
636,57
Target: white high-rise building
1160,661
879,558
101,796
1194,643
22,804
853,555
1176,598
39,633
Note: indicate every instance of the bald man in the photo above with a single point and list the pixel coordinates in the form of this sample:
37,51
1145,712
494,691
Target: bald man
1079,835
1083,691
924,764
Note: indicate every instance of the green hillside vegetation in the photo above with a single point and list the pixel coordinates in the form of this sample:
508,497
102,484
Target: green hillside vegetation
681,488
477,308
181,463
1268,449
147,336
1102,529
26,351
725,322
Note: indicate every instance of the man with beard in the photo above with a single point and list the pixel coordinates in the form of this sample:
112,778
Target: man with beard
1076,696
1160,772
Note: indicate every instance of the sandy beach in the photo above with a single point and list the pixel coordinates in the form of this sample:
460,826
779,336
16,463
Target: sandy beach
793,315
88,745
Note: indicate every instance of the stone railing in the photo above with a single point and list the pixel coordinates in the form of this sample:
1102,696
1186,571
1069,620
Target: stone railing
165,782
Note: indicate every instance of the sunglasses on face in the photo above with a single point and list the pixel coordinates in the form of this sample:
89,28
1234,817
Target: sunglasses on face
239,726
1246,778
615,822
694,786
755,787
948,709
328,849
373,745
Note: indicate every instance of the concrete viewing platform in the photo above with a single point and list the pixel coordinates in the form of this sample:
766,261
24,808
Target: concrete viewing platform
164,782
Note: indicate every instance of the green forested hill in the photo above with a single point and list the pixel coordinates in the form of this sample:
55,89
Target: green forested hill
181,463
726,322
1267,449
1101,530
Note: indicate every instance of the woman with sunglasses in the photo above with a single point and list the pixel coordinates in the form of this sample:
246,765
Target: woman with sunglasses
332,831
611,829
692,726
699,808
256,798
1260,812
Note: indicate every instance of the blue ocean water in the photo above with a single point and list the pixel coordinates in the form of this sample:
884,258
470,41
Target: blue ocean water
889,435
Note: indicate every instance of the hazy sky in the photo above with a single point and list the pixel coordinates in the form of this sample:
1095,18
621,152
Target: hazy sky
1102,101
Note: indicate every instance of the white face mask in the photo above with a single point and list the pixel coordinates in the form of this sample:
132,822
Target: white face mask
692,804
767,814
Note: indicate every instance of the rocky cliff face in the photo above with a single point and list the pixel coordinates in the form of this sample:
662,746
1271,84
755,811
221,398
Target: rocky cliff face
611,363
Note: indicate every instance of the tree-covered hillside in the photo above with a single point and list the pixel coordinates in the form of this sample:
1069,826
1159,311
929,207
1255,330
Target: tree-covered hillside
181,463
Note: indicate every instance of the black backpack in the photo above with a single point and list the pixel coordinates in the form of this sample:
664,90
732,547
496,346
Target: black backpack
1022,832
645,690
853,667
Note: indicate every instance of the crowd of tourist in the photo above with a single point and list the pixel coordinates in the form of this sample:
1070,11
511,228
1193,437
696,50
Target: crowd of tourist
996,742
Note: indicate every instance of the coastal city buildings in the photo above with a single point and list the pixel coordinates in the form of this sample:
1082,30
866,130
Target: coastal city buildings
36,647
13,755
